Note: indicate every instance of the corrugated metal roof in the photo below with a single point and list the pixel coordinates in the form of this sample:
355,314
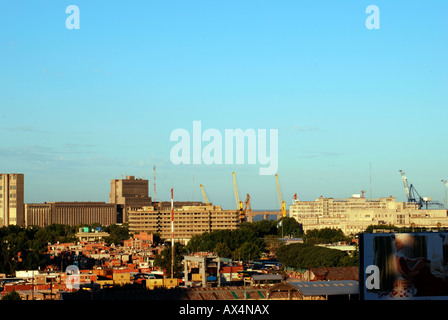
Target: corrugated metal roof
313,288
266,276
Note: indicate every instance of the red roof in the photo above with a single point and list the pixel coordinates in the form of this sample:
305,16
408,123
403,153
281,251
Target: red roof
336,273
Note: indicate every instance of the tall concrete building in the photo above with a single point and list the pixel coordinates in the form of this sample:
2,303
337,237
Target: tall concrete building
355,214
12,211
129,193
188,220
125,194
129,188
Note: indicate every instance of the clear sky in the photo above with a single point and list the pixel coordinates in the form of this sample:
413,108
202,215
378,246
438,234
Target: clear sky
79,107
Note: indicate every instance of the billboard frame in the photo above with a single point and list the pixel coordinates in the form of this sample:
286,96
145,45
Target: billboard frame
403,266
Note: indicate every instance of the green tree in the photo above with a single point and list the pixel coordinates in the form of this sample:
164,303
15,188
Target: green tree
195,242
272,244
163,260
249,251
56,232
260,234
157,239
351,259
222,250
19,249
117,233
287,226
13,295
325,235
261,228
303,256
234,239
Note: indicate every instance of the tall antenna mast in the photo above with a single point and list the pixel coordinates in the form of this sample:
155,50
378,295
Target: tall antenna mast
155,193
172,235
371,196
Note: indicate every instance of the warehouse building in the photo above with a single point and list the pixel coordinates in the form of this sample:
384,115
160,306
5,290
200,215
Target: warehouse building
70,213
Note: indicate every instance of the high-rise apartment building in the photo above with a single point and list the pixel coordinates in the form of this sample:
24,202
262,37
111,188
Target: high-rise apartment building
188,220
129,193
12,210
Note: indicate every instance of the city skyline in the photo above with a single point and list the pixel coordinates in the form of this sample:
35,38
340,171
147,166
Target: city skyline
352,105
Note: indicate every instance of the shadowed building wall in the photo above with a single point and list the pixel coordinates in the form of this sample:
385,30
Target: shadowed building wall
70,213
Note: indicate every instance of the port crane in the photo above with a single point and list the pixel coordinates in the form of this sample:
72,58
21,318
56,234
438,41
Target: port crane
204,196
239,204
282,203
413,195
247,205
406,187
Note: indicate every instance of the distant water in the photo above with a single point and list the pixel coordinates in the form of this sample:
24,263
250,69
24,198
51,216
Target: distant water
260,216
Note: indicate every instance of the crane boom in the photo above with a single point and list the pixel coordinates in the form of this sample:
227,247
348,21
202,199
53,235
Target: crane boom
239,204
278,190
204,195
445,182
243,212
282,203
405,183
247,204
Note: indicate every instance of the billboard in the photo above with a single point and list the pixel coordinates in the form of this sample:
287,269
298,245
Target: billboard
398,266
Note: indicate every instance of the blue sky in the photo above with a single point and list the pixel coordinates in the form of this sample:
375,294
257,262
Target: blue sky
80,107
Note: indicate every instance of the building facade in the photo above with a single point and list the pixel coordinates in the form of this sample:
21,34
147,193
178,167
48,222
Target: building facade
70,213
129,193
355,214
12,199
188,221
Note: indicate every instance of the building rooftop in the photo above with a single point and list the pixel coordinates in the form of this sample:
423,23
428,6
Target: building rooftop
324,288
267,277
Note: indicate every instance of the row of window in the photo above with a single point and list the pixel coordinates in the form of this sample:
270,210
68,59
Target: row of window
11,195
181,220
155,213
